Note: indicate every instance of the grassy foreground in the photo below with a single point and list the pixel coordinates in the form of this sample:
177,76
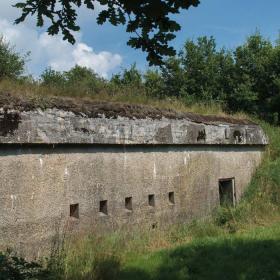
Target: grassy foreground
251,255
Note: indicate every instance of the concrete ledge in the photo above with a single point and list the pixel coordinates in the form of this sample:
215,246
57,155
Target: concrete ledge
57,126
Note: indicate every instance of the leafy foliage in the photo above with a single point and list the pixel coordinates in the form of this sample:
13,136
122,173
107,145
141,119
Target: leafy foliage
149,20
246,79
11,63
154,83
15,268
51,77
129,76
80,78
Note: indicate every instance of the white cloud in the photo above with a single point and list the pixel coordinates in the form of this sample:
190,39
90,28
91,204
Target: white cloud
52,50
84,55
63,56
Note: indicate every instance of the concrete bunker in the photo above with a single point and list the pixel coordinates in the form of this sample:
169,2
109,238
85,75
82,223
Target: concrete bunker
98,169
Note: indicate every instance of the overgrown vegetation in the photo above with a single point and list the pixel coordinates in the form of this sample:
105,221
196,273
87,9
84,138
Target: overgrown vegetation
250,255
13,267
11,63
235,243
245,79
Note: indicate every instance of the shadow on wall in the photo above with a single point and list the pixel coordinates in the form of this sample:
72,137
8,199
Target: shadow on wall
227,260
47,149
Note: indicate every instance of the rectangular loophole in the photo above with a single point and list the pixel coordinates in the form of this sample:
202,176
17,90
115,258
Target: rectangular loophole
171,197
103,207
128,203
74,210
227,192
151,200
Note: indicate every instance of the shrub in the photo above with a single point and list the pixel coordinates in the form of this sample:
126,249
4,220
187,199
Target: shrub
16,268
11,63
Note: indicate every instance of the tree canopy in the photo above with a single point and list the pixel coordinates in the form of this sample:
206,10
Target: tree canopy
243,79
150,21
11,63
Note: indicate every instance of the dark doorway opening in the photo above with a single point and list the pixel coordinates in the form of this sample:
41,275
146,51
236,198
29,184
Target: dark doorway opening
151,200
103,207
74,210
227,192
128,203
171,197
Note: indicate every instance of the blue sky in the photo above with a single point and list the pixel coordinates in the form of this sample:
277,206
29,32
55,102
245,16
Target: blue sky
104,49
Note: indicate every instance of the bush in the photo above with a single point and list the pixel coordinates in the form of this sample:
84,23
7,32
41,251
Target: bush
82,80
52,78
15,268
129,77
11,63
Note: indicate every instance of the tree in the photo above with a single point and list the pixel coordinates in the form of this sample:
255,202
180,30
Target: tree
129,77
11,63
200,72
173,77
53,78
154,83
149,20
257,72
208,71
82,78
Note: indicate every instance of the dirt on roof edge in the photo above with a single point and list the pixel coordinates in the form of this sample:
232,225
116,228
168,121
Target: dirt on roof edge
96,109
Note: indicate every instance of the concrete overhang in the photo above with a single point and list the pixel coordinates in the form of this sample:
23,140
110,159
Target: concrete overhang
53,120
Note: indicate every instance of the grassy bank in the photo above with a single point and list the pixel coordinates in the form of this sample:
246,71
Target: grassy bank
254,254
41,95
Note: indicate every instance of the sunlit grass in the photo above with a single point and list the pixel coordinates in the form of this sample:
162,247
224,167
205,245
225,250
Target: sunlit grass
40,95
254,254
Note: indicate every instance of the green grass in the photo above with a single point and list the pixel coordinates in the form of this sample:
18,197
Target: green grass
40,95
251,255
201,250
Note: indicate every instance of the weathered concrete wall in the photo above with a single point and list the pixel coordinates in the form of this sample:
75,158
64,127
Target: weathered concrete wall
38,185
51,159
57,126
